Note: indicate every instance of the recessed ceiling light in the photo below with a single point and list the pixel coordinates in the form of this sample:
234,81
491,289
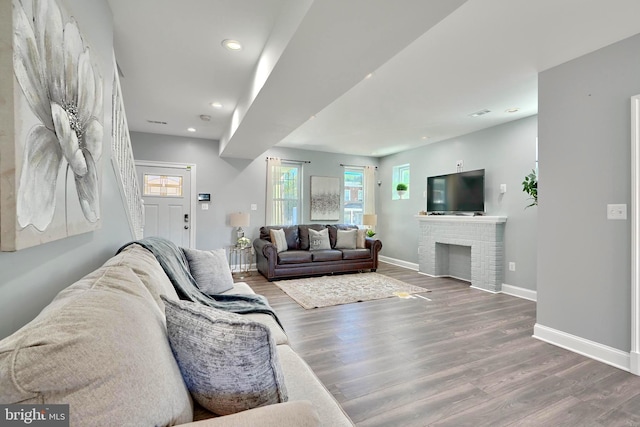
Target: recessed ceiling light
231,44
368,76
512,110
425,137
480,113
216,105
191,129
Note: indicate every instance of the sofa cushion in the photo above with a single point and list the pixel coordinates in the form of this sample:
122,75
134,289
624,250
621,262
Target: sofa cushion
319,240
229,363
210,269
294,257
279,239
101,347
303,384
356,253
346,239
145,265
326,255
304,234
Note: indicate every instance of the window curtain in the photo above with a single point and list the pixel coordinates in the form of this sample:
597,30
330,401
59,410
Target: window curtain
274,190
369,190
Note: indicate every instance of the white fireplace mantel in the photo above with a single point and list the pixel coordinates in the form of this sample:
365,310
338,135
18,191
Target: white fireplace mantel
463,218
483,234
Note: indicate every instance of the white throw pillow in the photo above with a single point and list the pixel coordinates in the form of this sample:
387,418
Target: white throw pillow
229,363
210,269
361,239
346,239
279,239
319,240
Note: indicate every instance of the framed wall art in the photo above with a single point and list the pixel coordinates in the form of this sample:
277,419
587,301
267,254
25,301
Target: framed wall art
52,126
325,198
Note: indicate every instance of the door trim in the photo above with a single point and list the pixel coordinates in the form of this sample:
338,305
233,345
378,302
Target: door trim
191,167
635,236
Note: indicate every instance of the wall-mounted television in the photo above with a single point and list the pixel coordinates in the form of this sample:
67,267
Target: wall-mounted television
461,192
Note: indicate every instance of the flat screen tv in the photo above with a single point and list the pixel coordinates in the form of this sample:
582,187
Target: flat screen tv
461,192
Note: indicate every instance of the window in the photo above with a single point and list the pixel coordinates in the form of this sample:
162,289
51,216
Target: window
162,185
353,195
401,174
284,206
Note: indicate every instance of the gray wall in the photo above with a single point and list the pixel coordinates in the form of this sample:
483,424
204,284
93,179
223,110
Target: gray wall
32,277
584,147
507,153
234,184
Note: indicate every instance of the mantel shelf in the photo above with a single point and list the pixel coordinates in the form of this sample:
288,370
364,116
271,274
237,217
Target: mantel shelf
463,218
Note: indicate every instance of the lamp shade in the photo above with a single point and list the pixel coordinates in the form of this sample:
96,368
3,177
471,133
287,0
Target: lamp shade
369,219
239,219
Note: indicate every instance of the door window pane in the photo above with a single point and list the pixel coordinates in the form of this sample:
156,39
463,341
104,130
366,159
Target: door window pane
162,185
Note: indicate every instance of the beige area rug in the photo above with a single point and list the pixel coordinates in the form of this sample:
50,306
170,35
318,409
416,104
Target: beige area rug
326,291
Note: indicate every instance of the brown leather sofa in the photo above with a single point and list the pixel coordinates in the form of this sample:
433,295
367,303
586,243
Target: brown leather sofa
297,260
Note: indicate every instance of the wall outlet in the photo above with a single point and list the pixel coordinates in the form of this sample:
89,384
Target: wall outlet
205,206
503,188
512,266
254,207
617,211
459,163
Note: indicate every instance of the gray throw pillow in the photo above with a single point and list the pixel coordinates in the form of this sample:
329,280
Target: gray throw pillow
229,363
319,240
346,239
210,269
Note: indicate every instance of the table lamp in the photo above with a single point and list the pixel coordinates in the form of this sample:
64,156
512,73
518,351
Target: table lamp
239,220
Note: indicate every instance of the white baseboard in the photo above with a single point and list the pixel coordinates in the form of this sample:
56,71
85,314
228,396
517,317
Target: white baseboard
400,263
515,291
600,352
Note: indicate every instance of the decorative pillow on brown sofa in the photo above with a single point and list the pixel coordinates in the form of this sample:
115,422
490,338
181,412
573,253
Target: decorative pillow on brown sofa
346,239
278,239
319,240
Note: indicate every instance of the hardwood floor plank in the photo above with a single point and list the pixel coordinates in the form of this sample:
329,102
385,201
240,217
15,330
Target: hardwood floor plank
465,358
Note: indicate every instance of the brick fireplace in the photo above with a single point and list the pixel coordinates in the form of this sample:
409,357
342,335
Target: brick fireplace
483,234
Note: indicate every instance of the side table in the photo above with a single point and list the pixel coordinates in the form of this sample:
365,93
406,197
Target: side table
240,260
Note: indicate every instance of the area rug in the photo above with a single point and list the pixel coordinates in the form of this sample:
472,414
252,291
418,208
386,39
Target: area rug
326,291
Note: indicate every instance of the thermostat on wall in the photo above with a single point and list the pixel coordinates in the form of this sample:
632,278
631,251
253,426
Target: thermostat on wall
204,197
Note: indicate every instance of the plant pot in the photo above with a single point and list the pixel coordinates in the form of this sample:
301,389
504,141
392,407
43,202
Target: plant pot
401,193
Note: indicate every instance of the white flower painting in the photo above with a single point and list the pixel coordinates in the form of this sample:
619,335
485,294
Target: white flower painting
58,184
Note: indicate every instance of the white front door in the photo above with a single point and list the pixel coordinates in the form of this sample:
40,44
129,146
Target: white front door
166,191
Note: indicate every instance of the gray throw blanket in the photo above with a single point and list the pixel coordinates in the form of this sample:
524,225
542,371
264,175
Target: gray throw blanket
175,265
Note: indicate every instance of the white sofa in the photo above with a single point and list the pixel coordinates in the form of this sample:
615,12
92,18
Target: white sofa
101,346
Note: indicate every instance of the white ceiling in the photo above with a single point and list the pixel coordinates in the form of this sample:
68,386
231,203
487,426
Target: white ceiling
434,62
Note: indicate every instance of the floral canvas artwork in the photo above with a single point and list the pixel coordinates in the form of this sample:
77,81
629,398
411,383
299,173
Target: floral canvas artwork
325,198
50,163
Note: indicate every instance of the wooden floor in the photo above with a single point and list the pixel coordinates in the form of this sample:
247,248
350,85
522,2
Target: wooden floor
466,358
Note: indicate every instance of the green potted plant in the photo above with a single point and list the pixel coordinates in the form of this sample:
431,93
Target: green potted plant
370,233
530,186
401,188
